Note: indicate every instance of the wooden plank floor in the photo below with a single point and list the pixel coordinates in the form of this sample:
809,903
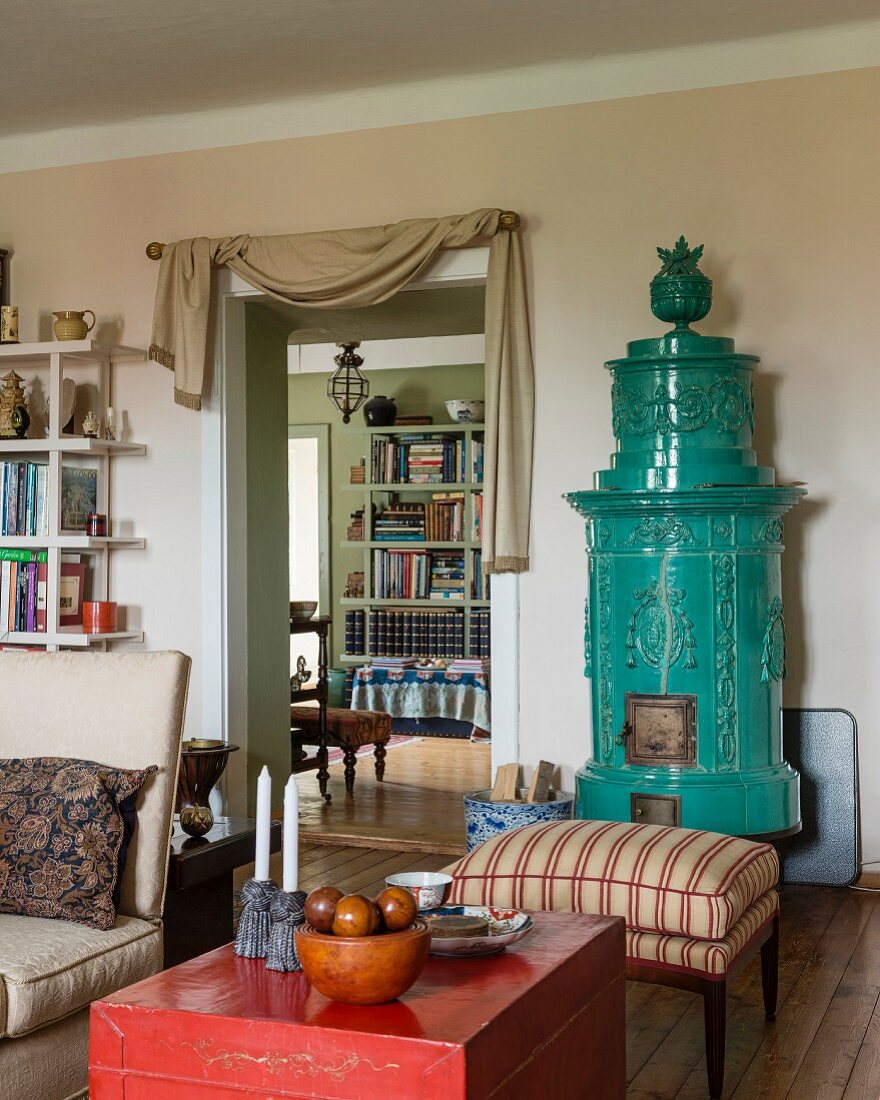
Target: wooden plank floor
824,1045
417,808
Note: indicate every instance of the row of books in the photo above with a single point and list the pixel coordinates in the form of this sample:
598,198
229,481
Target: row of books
23,490
23,594
420,460
440,520
418,575
23,586
399,633
404,633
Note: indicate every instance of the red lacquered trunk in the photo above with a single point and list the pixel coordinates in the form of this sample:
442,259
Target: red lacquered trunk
544,1018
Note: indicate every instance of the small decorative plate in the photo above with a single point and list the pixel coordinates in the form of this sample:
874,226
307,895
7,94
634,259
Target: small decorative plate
506,926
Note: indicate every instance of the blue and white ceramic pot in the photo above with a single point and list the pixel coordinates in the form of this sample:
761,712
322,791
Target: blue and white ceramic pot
485,819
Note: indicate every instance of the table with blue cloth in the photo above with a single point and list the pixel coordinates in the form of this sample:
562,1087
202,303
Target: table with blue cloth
424,693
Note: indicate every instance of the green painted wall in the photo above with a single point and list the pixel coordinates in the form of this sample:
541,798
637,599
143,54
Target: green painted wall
416,390
268,635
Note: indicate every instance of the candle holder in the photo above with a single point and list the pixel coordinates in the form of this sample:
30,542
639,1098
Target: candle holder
287,912
252,937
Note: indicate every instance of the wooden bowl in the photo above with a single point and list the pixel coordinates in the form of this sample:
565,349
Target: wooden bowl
364,970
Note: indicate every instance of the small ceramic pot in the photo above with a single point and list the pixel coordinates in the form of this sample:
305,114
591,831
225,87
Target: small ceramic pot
96,524
485,819
99,616
70,324
380,411
429,888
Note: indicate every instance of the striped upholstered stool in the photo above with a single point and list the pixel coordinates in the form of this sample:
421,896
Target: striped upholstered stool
697,905
347,729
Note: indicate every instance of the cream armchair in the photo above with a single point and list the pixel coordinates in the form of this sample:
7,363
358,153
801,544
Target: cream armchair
124,710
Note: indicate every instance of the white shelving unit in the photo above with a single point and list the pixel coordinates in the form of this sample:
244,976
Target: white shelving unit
61,356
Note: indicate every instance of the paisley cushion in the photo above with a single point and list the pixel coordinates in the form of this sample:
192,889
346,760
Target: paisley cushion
677,882
61,831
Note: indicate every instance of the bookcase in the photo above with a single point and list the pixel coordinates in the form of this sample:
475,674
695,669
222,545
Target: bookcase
51,455
420,505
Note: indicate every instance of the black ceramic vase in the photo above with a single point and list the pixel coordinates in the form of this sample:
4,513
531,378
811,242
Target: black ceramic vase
380,411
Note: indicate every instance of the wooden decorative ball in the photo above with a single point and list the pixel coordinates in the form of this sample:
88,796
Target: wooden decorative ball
321,907
355,916
398,908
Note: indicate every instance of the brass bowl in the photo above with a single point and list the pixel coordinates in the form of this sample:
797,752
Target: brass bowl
363,970
302,610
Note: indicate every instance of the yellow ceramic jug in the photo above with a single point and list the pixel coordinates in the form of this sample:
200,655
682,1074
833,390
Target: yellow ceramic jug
70,324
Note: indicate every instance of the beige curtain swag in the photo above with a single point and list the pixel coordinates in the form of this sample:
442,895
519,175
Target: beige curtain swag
360,267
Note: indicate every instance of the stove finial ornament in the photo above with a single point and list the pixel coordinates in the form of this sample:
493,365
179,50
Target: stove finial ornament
680,292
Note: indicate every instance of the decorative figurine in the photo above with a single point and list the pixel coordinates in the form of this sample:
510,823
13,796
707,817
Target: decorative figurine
109,426
91,425
20,420
300,676
12,396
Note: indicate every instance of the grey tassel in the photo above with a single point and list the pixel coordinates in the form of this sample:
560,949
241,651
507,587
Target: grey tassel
288,913
252,938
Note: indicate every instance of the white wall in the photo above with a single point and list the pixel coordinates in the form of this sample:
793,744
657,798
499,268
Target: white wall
778,178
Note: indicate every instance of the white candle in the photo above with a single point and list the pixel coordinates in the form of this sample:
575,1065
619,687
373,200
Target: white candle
264,810
290,852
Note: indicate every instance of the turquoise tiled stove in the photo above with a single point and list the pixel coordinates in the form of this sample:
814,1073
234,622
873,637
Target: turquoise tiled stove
685,635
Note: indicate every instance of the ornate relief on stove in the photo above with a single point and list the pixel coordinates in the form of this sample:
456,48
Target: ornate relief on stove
722,531
588,641
660,630
605,686
604,533
662,531
770,531
773,652
727,404
724,577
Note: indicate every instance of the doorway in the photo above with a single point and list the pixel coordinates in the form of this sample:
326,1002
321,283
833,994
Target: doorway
239,418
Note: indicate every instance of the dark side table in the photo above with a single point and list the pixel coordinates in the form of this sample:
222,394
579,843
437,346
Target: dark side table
198,901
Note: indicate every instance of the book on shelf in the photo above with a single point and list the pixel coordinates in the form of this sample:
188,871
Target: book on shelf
393,662
79,496
477,452
405,633
357,475
477,517
478,640
471,664
23,491
480,582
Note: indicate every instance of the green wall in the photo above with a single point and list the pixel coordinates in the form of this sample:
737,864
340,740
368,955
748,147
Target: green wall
416,390
268,634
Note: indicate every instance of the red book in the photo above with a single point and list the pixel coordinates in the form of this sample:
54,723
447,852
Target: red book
42,584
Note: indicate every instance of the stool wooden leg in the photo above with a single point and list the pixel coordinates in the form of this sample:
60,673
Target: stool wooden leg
379,753
770,971
715,1010
349,756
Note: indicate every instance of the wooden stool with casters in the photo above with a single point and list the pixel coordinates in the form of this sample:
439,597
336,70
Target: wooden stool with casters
346,729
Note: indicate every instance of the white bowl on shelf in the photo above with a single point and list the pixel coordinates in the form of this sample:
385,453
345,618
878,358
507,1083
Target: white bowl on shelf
466,411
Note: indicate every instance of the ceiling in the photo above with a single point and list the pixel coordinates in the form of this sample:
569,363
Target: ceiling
448,312
85,62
